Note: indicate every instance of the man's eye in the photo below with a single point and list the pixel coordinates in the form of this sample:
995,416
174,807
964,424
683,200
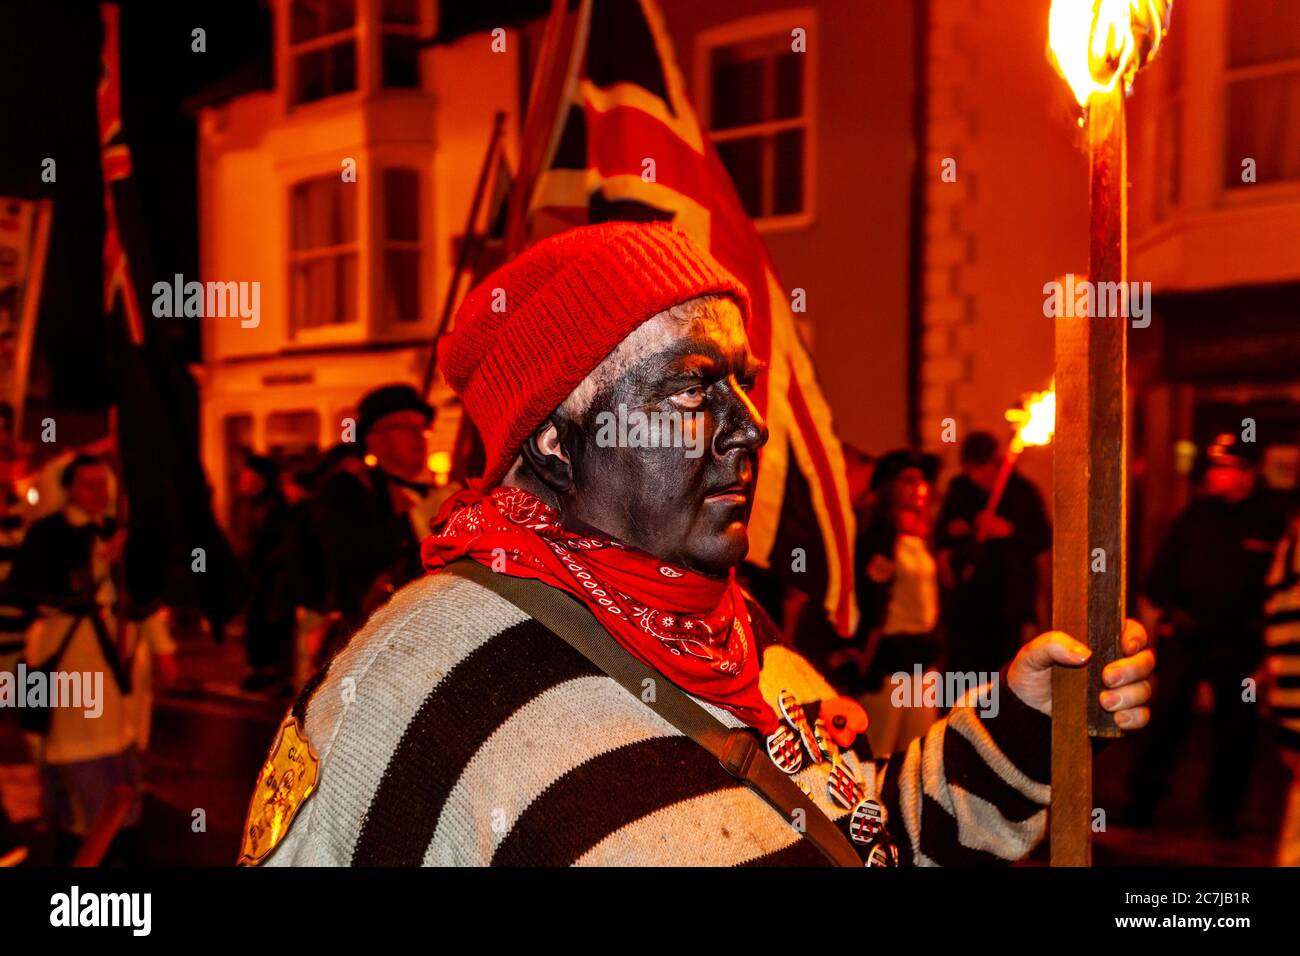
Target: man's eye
690,397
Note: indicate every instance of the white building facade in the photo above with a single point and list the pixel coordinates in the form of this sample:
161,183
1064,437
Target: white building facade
343,192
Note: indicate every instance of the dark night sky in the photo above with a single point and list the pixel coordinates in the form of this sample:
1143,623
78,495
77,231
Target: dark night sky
49,68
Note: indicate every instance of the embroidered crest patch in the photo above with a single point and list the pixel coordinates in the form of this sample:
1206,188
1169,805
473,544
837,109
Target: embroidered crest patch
287,779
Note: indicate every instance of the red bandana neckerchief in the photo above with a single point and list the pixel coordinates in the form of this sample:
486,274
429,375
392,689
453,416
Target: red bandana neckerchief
693,629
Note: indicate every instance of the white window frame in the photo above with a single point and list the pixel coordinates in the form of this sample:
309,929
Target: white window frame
350,331
762,26
1275,189
367,36
290,53
423,27
418,245
1170,93
1212,25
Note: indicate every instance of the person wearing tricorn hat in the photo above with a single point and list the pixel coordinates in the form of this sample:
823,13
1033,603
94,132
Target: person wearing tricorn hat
581,680
1208,583
368,514
898,593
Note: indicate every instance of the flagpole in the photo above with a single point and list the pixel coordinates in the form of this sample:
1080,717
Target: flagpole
31,304
552,80
530,159
469,241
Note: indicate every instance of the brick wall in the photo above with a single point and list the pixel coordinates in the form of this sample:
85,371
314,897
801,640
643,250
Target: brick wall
948,335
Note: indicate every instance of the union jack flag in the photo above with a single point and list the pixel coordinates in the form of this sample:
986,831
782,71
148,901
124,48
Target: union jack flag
115,162
617,101
157,433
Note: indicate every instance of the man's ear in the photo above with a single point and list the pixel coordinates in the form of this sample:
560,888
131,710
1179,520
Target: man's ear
546,455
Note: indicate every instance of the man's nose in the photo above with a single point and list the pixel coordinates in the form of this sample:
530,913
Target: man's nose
739,424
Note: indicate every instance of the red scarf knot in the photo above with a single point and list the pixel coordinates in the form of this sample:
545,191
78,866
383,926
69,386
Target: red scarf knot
693,629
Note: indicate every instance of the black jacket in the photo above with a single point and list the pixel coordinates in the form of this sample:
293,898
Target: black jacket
54,565
998,577
1212,564
363,537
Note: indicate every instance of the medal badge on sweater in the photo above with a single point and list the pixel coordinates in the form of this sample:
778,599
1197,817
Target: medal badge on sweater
826,741
287,779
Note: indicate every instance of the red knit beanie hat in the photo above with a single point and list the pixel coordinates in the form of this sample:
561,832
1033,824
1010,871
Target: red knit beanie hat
535,328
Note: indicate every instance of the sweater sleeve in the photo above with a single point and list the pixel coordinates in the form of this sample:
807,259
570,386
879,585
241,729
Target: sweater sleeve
974,789
1282,639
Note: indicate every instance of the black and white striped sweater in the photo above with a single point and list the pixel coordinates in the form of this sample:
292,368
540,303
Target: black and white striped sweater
1282,638
456,730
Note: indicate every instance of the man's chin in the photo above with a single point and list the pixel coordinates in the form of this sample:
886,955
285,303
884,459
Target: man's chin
721,553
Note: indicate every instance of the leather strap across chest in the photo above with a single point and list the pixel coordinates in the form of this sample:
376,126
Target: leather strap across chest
738,749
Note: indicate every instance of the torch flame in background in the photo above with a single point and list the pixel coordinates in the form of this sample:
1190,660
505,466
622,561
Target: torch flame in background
1037,424
1094,44
1036,420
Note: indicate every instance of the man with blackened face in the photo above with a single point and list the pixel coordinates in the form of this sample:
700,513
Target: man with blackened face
684,376
486,714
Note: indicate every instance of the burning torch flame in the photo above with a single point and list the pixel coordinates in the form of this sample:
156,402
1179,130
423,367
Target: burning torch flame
1036,420
1095,44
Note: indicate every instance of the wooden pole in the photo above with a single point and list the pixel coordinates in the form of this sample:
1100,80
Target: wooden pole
1107,383
1088,476
541,122
468,246
31,302
1000,482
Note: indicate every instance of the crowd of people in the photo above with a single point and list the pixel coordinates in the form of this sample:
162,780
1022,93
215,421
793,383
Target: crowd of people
950,585
324,546
319,552
1209,592
959,584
